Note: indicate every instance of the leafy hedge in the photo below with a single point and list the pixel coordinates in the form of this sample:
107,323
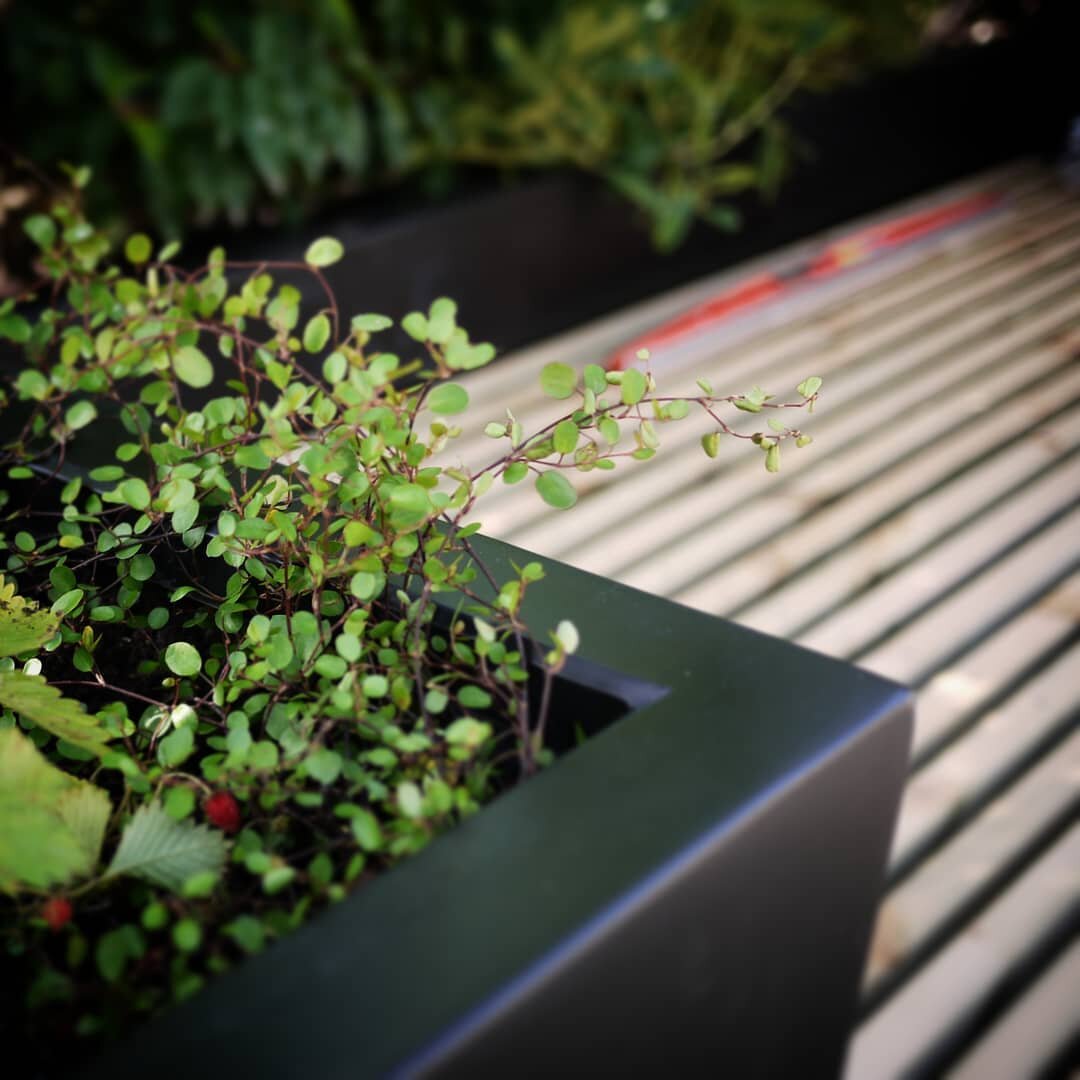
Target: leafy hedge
266,109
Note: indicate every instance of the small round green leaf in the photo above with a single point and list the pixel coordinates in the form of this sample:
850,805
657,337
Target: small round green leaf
633,386
363,585
192,367
515,472
415,324
410,801
316,333
80,414
558,380
324,252
375,686
448,399
410,505
335,367
371,323
473,697
41,229
138,248
187,935
135,493
565,437
183,659
556,490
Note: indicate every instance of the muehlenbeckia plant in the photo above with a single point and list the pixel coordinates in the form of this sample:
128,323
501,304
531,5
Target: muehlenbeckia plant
251,658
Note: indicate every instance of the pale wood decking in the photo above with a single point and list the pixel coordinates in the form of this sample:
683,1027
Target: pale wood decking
931,533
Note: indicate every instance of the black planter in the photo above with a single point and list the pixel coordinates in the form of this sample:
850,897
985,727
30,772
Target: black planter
688,893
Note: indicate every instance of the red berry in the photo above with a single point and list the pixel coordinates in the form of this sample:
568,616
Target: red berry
56,911
223,811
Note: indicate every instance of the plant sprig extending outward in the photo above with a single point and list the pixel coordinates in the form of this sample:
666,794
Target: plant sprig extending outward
264,602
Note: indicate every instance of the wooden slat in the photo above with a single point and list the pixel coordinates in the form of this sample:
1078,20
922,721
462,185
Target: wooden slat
972,681
925,645
950,988
890,603
990,750
921,910
1041,1022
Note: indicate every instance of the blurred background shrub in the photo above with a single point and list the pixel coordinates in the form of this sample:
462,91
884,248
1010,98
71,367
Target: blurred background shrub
200,112
195,114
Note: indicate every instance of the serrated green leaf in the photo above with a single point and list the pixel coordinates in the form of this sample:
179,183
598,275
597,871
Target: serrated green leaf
32,697
157,849
85,809
23,625
809,387
37,847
